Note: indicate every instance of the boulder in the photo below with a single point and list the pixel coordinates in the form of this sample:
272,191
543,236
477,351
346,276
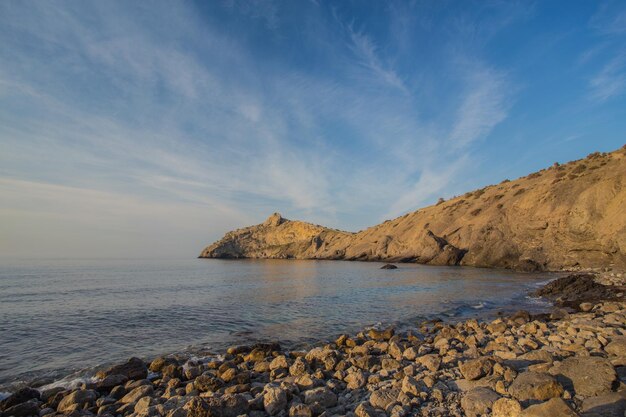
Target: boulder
384,397
412,386
478,401
506,407
377,334
279,362
25,409
137,393
476,368
535,386
587,376
430,362
77,399
355,380
322,395
617,346
298,368
111,381
300,410
18,397
158,364
274,400
551,408
612,404
208,383
231,405
388,266
135,368
365,410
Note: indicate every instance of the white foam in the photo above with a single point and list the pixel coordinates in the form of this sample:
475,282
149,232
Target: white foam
479,306
69,382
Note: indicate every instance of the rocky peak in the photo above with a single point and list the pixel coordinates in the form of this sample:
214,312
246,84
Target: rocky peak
274,220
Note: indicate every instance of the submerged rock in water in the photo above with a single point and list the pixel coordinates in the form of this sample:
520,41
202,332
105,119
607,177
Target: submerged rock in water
389,266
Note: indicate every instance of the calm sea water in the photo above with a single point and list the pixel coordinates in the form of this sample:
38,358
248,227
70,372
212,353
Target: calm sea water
61,316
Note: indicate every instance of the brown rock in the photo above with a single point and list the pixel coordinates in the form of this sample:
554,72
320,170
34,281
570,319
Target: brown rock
135,369
77,399
300,410
506,407
535,386
137,393
617,346
476,368
274,400
551,408
612,404
384,397
430,362
587,376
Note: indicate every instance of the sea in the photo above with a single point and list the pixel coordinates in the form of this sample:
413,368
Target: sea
60,320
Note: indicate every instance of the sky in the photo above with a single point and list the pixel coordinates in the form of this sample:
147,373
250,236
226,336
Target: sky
150,128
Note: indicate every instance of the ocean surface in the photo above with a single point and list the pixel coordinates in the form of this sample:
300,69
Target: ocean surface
61,318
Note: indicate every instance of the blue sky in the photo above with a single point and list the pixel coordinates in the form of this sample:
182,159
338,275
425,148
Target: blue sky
151,128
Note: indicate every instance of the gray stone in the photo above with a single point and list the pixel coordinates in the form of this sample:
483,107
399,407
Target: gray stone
322,395
478,401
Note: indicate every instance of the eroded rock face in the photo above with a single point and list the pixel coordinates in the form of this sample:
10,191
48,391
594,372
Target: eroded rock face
565,216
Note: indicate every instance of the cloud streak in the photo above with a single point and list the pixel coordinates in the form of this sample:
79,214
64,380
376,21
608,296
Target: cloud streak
199,121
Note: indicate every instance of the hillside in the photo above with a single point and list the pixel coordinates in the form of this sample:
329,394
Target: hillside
561,217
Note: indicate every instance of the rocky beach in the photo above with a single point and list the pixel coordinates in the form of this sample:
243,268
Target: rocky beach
568,361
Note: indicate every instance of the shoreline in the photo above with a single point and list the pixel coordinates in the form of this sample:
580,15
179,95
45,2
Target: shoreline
368,374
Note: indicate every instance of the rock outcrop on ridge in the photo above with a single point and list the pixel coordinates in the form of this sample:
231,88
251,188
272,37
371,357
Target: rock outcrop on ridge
566,216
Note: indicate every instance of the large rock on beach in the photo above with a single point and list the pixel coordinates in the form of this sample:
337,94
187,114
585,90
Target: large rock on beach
476,368
554,407
535,386
478,401
18,397
587,376
135,369
274,400
77,399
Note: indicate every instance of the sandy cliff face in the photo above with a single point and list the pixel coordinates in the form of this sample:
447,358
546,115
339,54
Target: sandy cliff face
564,216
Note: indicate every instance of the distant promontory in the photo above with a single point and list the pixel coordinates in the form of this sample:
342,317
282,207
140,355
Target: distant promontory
567,216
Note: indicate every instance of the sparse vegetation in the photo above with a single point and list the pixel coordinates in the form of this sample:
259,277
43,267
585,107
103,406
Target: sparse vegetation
478,193
475,212
520,191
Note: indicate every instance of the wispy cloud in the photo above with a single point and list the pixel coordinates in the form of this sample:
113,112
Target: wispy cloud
192,117
611,80
485,104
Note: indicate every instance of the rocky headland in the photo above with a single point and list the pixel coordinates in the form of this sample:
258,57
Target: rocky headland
564,217
566,362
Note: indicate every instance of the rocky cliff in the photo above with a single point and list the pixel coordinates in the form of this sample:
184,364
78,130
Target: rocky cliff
565,216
